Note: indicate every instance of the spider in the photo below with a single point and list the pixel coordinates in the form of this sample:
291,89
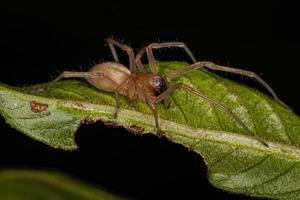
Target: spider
149,87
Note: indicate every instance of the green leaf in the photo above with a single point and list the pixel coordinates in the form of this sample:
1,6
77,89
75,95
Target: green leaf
236,161
46,185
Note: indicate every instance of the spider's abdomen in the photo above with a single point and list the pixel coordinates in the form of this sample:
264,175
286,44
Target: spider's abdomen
110,76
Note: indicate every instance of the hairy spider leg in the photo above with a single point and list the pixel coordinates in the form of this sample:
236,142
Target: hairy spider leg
199,93
117,95
212,66
112,43
149,51
69,74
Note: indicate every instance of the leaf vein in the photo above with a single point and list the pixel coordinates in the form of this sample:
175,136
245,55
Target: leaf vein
247,169
289,169
180,109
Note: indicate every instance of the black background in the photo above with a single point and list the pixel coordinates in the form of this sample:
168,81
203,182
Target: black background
38,41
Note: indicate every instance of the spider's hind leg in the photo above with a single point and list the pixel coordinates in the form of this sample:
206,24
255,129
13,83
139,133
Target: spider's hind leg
68,74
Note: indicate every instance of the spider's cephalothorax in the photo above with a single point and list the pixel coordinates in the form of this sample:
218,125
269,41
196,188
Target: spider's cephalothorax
150,87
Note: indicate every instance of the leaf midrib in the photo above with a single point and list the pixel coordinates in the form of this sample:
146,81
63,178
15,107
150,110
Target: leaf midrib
216,136
229,138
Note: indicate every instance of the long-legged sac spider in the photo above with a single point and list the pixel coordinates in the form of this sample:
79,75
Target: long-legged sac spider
149,87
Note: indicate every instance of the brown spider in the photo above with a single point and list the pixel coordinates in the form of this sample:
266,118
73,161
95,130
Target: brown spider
150,87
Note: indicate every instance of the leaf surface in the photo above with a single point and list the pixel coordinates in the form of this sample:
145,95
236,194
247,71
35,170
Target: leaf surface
236,160
46,185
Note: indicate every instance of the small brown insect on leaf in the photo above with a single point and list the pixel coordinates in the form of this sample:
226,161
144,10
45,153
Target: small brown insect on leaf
38,107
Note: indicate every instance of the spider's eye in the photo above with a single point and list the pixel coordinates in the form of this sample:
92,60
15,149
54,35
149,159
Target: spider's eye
159,85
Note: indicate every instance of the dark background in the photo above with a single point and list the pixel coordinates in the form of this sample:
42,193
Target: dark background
38,41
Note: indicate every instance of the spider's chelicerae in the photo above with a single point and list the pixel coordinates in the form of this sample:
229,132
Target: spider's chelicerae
149,87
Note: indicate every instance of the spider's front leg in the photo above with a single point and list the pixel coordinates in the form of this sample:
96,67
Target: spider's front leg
212,66
200,94
153,107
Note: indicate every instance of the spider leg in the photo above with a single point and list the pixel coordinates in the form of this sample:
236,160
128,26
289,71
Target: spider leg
149,51
112,43
176,86
212,66
138,61
117,96
147,98
153,108
68,74
118,105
